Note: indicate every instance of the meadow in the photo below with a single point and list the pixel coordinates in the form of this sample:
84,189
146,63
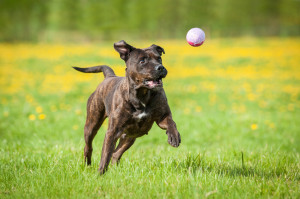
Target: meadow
236,103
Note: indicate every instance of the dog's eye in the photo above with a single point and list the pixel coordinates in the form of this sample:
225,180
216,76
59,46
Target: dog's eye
142,61
159,60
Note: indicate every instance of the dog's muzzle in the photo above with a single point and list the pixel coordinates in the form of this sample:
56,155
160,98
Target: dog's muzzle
162,71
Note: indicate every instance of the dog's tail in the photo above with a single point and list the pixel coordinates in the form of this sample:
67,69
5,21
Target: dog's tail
107,71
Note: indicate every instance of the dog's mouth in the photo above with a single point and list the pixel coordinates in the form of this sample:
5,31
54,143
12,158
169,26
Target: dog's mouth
153,83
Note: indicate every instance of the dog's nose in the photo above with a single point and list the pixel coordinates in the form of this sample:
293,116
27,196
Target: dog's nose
160,68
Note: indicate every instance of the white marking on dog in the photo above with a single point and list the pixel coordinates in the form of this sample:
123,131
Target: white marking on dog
141,115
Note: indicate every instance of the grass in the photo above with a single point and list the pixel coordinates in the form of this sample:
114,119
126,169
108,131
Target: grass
236,104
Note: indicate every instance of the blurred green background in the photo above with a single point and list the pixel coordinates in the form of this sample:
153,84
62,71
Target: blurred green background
89,20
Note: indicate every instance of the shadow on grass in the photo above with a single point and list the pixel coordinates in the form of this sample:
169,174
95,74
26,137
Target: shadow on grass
194,164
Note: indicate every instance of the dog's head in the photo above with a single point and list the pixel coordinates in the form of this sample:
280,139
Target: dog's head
144,66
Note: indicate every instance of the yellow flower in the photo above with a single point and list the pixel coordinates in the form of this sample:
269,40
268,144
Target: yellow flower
192,88
32,117
39,109
6,113
29,98
241,108
212,99
75,127
198,109
42,116
251,97
291,107
262,104
78,112
4,101
53,108
254,126
272,125
187,111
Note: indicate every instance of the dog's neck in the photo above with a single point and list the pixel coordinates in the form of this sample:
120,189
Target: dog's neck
139,97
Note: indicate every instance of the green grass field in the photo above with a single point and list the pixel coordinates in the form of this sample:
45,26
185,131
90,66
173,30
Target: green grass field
236,103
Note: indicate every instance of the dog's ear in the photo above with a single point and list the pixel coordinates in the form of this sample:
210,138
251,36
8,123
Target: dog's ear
124,49
158,49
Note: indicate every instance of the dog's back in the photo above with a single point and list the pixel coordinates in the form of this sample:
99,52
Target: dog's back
103,95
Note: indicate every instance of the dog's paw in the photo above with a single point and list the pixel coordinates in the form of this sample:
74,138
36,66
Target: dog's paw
174,138
101,171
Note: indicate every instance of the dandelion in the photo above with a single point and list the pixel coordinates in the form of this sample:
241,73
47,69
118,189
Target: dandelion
198,109
212,99
282,108
66,107
291,107
262,104
105,124
4,101
29,98
32,117
294,97
187,111
272,125
39,109
247,87
254,126
5,113
75,127
53,108
241,108
192,88
42,116
251,97
78,112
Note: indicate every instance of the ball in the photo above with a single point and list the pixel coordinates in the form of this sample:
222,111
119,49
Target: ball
195,37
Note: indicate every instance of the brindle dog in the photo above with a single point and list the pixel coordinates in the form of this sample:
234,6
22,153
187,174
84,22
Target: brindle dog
132,103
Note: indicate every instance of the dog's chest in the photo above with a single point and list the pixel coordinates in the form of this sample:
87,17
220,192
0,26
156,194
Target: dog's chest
141,115
139,124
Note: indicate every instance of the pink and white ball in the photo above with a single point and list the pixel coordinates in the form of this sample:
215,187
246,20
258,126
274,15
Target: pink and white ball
195,37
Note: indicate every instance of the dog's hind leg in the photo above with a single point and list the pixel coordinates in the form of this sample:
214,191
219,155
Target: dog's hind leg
124,144
94,120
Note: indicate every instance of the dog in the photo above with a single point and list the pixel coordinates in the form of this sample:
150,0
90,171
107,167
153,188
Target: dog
132,103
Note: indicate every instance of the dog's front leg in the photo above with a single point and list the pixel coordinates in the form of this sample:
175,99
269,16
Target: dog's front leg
173,135
109,144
